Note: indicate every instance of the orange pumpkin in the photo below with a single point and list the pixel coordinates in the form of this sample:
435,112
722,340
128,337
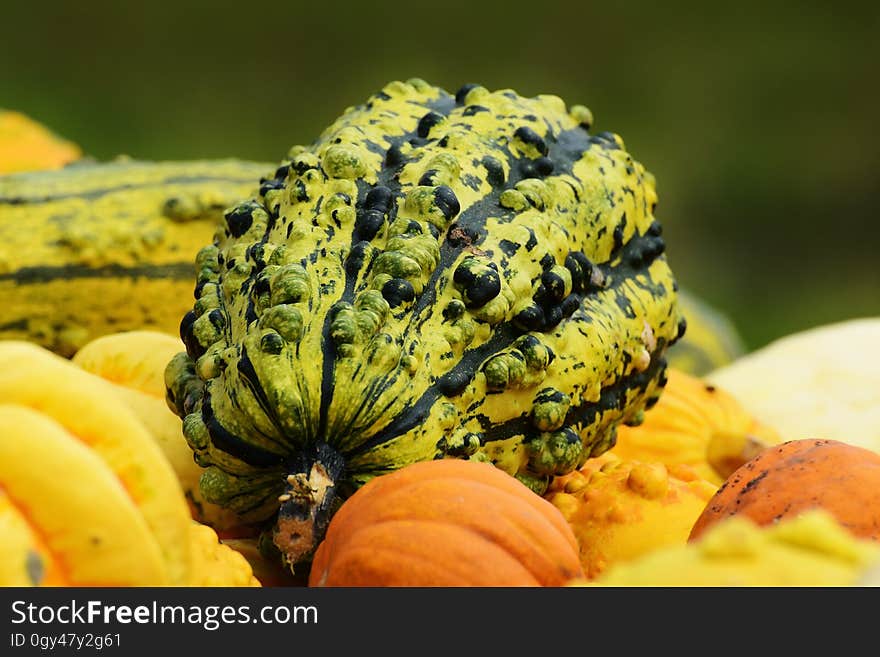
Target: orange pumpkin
798,475
448,522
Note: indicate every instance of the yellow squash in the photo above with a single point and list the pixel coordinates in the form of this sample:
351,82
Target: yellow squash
66,519
808,550
85,406
134,363
217,564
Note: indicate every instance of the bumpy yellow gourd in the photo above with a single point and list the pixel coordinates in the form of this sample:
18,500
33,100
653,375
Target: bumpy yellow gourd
134,363
216,564
696,425
86,407
808,550
66,518
620,510
26,145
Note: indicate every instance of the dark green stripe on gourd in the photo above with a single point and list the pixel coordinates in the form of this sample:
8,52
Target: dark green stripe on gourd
472,276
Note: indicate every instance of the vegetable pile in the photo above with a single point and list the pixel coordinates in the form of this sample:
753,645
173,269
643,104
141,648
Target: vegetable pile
441,345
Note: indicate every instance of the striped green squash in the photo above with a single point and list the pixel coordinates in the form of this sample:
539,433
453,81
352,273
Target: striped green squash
96,248
470,276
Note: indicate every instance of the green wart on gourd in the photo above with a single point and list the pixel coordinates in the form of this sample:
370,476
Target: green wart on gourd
472,276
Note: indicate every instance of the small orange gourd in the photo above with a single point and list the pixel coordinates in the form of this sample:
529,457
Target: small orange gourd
793,477
448,522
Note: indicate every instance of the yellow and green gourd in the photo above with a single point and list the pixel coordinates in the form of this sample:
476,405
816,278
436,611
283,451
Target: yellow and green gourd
97,248
436,276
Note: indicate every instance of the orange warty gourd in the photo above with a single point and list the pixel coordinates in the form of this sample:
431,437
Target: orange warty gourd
448,522
798,475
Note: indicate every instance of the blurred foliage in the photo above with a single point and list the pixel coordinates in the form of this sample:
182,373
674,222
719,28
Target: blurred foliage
757,118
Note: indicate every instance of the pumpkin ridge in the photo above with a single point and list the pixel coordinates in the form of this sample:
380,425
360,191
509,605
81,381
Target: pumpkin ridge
530,525
529,563
535,502
368,547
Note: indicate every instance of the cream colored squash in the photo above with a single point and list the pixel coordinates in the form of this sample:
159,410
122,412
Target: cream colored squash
819,383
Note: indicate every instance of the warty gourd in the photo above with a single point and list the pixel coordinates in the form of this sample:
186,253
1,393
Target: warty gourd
473,275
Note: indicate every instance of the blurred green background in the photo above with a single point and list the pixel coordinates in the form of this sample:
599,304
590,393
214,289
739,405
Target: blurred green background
759,119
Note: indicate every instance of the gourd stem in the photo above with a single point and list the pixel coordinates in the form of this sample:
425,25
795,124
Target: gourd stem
308,502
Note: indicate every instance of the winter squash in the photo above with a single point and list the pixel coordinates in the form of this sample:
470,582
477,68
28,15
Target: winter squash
447,522
87,497
216,564
86,407
472,275
103,247
66,519
799,475
133,362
